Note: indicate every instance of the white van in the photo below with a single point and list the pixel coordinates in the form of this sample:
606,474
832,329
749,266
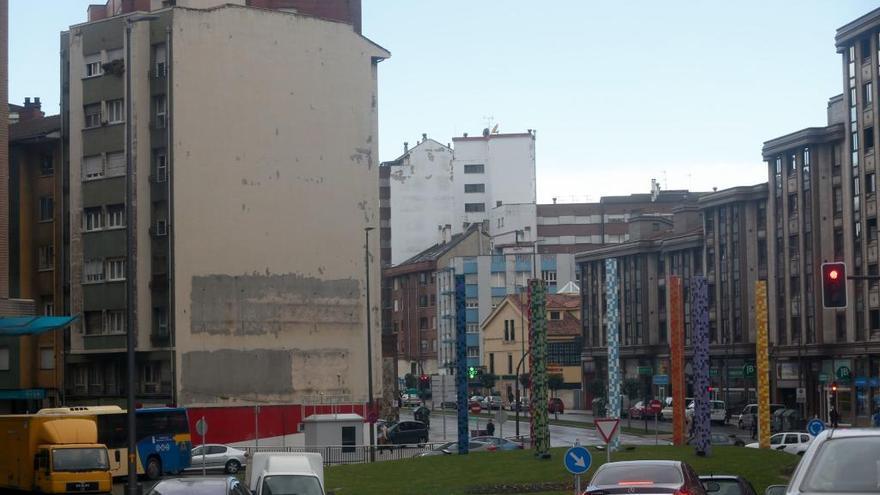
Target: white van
275,472
717,411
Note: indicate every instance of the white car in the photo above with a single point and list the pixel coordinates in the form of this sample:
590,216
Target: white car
792,442
214,456
717,411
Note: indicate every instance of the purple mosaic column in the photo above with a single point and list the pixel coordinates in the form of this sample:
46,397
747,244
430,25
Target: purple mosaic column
700,324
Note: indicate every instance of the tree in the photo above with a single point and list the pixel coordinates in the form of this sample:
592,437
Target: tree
599,391
631,389
488,381
410,381
524,380
555,382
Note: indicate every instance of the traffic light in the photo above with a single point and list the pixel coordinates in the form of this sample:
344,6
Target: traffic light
834,388
472,372
834,285
424,381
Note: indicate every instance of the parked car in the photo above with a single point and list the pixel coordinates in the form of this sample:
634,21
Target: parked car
555,406
214,456
646,477
411,400
667,411
491,402
717,411
776,490
791,442
523,405
729,484
476,399
227,485
839,461
750,411
451,448
721,439
637,410
499,443
407,432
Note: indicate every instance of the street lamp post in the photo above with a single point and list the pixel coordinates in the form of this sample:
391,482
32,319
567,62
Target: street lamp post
369,344
516,408
132,487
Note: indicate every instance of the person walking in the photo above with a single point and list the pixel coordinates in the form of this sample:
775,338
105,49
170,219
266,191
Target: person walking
490,428
875,419
755,427
834,416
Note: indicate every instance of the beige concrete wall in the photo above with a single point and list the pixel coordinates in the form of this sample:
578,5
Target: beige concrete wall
275,173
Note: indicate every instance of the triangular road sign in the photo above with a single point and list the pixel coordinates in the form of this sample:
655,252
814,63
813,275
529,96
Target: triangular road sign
607,428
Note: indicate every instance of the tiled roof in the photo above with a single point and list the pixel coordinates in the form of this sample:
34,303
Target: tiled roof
439,249
34,128
569,325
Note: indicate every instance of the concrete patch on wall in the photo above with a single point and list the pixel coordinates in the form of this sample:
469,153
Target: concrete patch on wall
212,376
271,304
322,371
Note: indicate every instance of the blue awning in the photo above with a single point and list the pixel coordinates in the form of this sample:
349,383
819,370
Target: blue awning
33,325
23,394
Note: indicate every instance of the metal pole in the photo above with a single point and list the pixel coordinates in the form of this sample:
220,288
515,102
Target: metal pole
131,486
257,426
204,467
442,403
369,343
656,427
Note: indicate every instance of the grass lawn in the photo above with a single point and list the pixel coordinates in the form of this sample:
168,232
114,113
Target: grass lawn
488,472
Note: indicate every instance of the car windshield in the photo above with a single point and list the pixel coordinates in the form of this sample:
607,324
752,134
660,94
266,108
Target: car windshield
845,465
291,485
200,487
726,487
634,474
86,459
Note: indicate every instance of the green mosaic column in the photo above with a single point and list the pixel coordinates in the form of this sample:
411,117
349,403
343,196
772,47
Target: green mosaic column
538,309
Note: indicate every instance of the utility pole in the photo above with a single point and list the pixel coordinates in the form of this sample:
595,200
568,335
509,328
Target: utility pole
369,344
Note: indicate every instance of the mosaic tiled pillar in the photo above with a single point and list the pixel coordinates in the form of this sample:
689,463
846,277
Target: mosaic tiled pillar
700,324
676,360
612,316
538,310
763,364
461,379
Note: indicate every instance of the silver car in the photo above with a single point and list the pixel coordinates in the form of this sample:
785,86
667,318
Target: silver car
839,461
214,457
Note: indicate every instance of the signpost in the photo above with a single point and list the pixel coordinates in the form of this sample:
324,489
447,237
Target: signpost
750,370
815,426
501,418
801,395
654,407
578,461
661,380
475,410
608,429
844,373
202,430
645,371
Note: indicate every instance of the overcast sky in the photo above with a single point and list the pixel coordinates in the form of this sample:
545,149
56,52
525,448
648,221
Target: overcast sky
685,92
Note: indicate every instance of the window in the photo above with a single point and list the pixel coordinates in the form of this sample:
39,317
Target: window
47,166
46,257
867,93
473,328
870,184
48,308
160,58
47,358
869,138
423,323
4,359
555,315
47,208
93,219
548,276
150,377
115,322
160,111
474,207
473,352
93,323
161,167
838,201
492,363
474,188
93,271
93,65
92,167
116,269
161,227
115,216
475,169
115,112
509,364
115,164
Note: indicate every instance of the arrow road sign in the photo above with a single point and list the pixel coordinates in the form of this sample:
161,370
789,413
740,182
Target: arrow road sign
202,426
607,428
815,426
578,460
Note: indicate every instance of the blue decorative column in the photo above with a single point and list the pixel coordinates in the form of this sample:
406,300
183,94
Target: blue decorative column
537,318
700,321
461,379
612,317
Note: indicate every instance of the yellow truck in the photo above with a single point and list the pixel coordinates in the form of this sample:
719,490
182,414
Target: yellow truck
52,455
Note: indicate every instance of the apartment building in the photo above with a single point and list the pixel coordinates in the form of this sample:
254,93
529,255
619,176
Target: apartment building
413,315
489,279
718,238
223,271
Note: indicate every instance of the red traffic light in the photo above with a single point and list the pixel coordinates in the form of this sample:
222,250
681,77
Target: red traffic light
423,378
834,387
834,285
833,274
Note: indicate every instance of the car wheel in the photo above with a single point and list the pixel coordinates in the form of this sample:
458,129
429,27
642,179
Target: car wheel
154,469
232,466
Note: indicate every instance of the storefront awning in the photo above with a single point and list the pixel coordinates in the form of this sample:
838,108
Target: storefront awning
32,325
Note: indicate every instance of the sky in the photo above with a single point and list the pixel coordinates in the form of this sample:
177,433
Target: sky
618,92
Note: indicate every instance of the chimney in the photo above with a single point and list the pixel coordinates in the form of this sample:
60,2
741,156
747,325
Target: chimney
424,137
405,147
554,201
465,134
440,235
31,111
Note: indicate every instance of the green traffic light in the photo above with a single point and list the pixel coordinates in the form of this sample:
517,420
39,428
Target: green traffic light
472,372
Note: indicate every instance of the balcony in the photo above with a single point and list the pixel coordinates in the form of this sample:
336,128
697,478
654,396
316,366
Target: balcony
870,206
160,337
471,291
874,298
523,265
469,267
499,291
498,264
793,267
869,160
872,252
793,224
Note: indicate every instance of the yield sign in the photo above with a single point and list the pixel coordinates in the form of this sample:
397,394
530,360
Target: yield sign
607,428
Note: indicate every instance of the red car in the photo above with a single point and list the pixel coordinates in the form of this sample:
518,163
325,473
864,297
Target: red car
555,406
637,411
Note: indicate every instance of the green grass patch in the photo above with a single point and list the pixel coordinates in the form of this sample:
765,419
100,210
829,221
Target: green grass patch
520,472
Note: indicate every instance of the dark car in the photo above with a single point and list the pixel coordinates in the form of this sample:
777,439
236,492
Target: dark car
407,432
225,485
646,477
728,485
555,406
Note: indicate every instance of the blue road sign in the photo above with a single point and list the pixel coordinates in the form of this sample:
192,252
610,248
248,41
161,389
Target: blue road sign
815,426
578,460
661,379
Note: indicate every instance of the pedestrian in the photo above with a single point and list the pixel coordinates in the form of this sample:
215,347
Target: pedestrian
755,427
490,428
875,419
834,416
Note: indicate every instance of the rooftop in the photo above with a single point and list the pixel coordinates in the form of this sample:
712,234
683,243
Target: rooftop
34,128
